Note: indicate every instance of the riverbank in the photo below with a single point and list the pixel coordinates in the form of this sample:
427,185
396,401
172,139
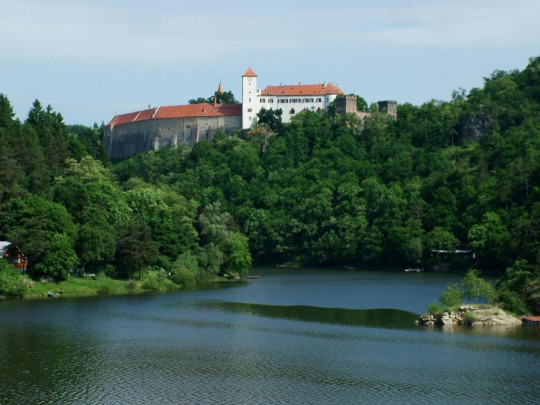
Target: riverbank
471,315
93,286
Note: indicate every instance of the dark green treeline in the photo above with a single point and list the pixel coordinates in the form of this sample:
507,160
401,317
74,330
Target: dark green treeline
321,190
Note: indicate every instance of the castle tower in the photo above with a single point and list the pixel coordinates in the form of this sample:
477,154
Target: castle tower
346,104
389,107
249,99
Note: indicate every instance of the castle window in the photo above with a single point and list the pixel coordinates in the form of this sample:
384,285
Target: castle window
249,110
263,100
160,129
292,111
270,100
188,126
319,100
250,100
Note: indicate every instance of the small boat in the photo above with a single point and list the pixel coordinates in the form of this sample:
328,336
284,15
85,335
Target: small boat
409,270
531,320
51,294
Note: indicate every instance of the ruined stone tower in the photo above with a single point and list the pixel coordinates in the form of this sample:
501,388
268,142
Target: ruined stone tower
346,104
389,107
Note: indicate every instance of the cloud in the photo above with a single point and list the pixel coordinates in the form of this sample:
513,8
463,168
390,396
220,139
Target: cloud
163,32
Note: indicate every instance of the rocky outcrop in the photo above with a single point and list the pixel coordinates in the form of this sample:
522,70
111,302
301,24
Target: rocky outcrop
474,315
474,128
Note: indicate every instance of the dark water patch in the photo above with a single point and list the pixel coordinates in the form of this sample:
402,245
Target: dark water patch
372,318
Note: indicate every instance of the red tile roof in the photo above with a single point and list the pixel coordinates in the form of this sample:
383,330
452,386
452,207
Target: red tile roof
249,73
179,111
302,90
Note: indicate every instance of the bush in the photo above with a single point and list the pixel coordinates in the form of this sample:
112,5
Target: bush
104,290
512,302
435,309
131,285
110,271
475,287
157,280
11,284
452,296
183,277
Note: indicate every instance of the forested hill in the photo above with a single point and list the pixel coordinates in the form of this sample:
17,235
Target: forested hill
329,190
322,190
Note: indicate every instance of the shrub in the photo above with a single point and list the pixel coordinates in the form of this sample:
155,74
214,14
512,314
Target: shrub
110,271
183,277
11,284
452,296
104,290
512,302
131,285
435,309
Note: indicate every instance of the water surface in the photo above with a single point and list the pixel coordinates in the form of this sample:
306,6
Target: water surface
291,337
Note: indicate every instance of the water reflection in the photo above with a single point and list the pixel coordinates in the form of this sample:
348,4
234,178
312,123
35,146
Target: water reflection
375,318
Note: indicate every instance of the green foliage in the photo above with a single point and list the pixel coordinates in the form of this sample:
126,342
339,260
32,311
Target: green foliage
185,269
157,280
59,258
227,97
435,309
512,289
237,257
323,189
475,287
11,284
272,118
33,223
452,296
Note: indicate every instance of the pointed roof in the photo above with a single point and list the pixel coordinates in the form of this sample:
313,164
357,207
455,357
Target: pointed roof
249,73
220,88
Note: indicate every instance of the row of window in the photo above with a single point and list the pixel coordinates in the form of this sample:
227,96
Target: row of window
169,128
293,100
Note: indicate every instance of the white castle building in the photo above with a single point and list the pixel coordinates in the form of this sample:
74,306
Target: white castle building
170,126
291,99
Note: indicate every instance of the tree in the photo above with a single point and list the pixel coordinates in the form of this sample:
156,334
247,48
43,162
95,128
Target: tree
136,249
226,97
490,239
6,112
33,222
59,258
237,256
475,287
452,296
11,284
441,239
272,118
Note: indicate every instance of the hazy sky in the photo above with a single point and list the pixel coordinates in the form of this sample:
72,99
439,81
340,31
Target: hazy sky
94,59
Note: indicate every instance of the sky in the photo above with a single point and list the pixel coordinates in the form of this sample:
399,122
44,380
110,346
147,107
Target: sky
91,60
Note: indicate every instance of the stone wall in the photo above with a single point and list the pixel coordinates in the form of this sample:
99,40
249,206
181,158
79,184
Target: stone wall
124,140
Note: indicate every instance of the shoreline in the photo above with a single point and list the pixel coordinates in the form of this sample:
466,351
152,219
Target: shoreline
94,287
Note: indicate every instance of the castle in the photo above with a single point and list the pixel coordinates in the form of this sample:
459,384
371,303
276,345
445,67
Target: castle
170,126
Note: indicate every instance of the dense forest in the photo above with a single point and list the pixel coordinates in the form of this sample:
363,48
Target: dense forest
322,190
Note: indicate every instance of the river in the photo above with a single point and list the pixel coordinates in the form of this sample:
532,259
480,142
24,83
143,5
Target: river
291,337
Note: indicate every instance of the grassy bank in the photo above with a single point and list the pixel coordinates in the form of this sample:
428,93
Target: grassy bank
79,286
